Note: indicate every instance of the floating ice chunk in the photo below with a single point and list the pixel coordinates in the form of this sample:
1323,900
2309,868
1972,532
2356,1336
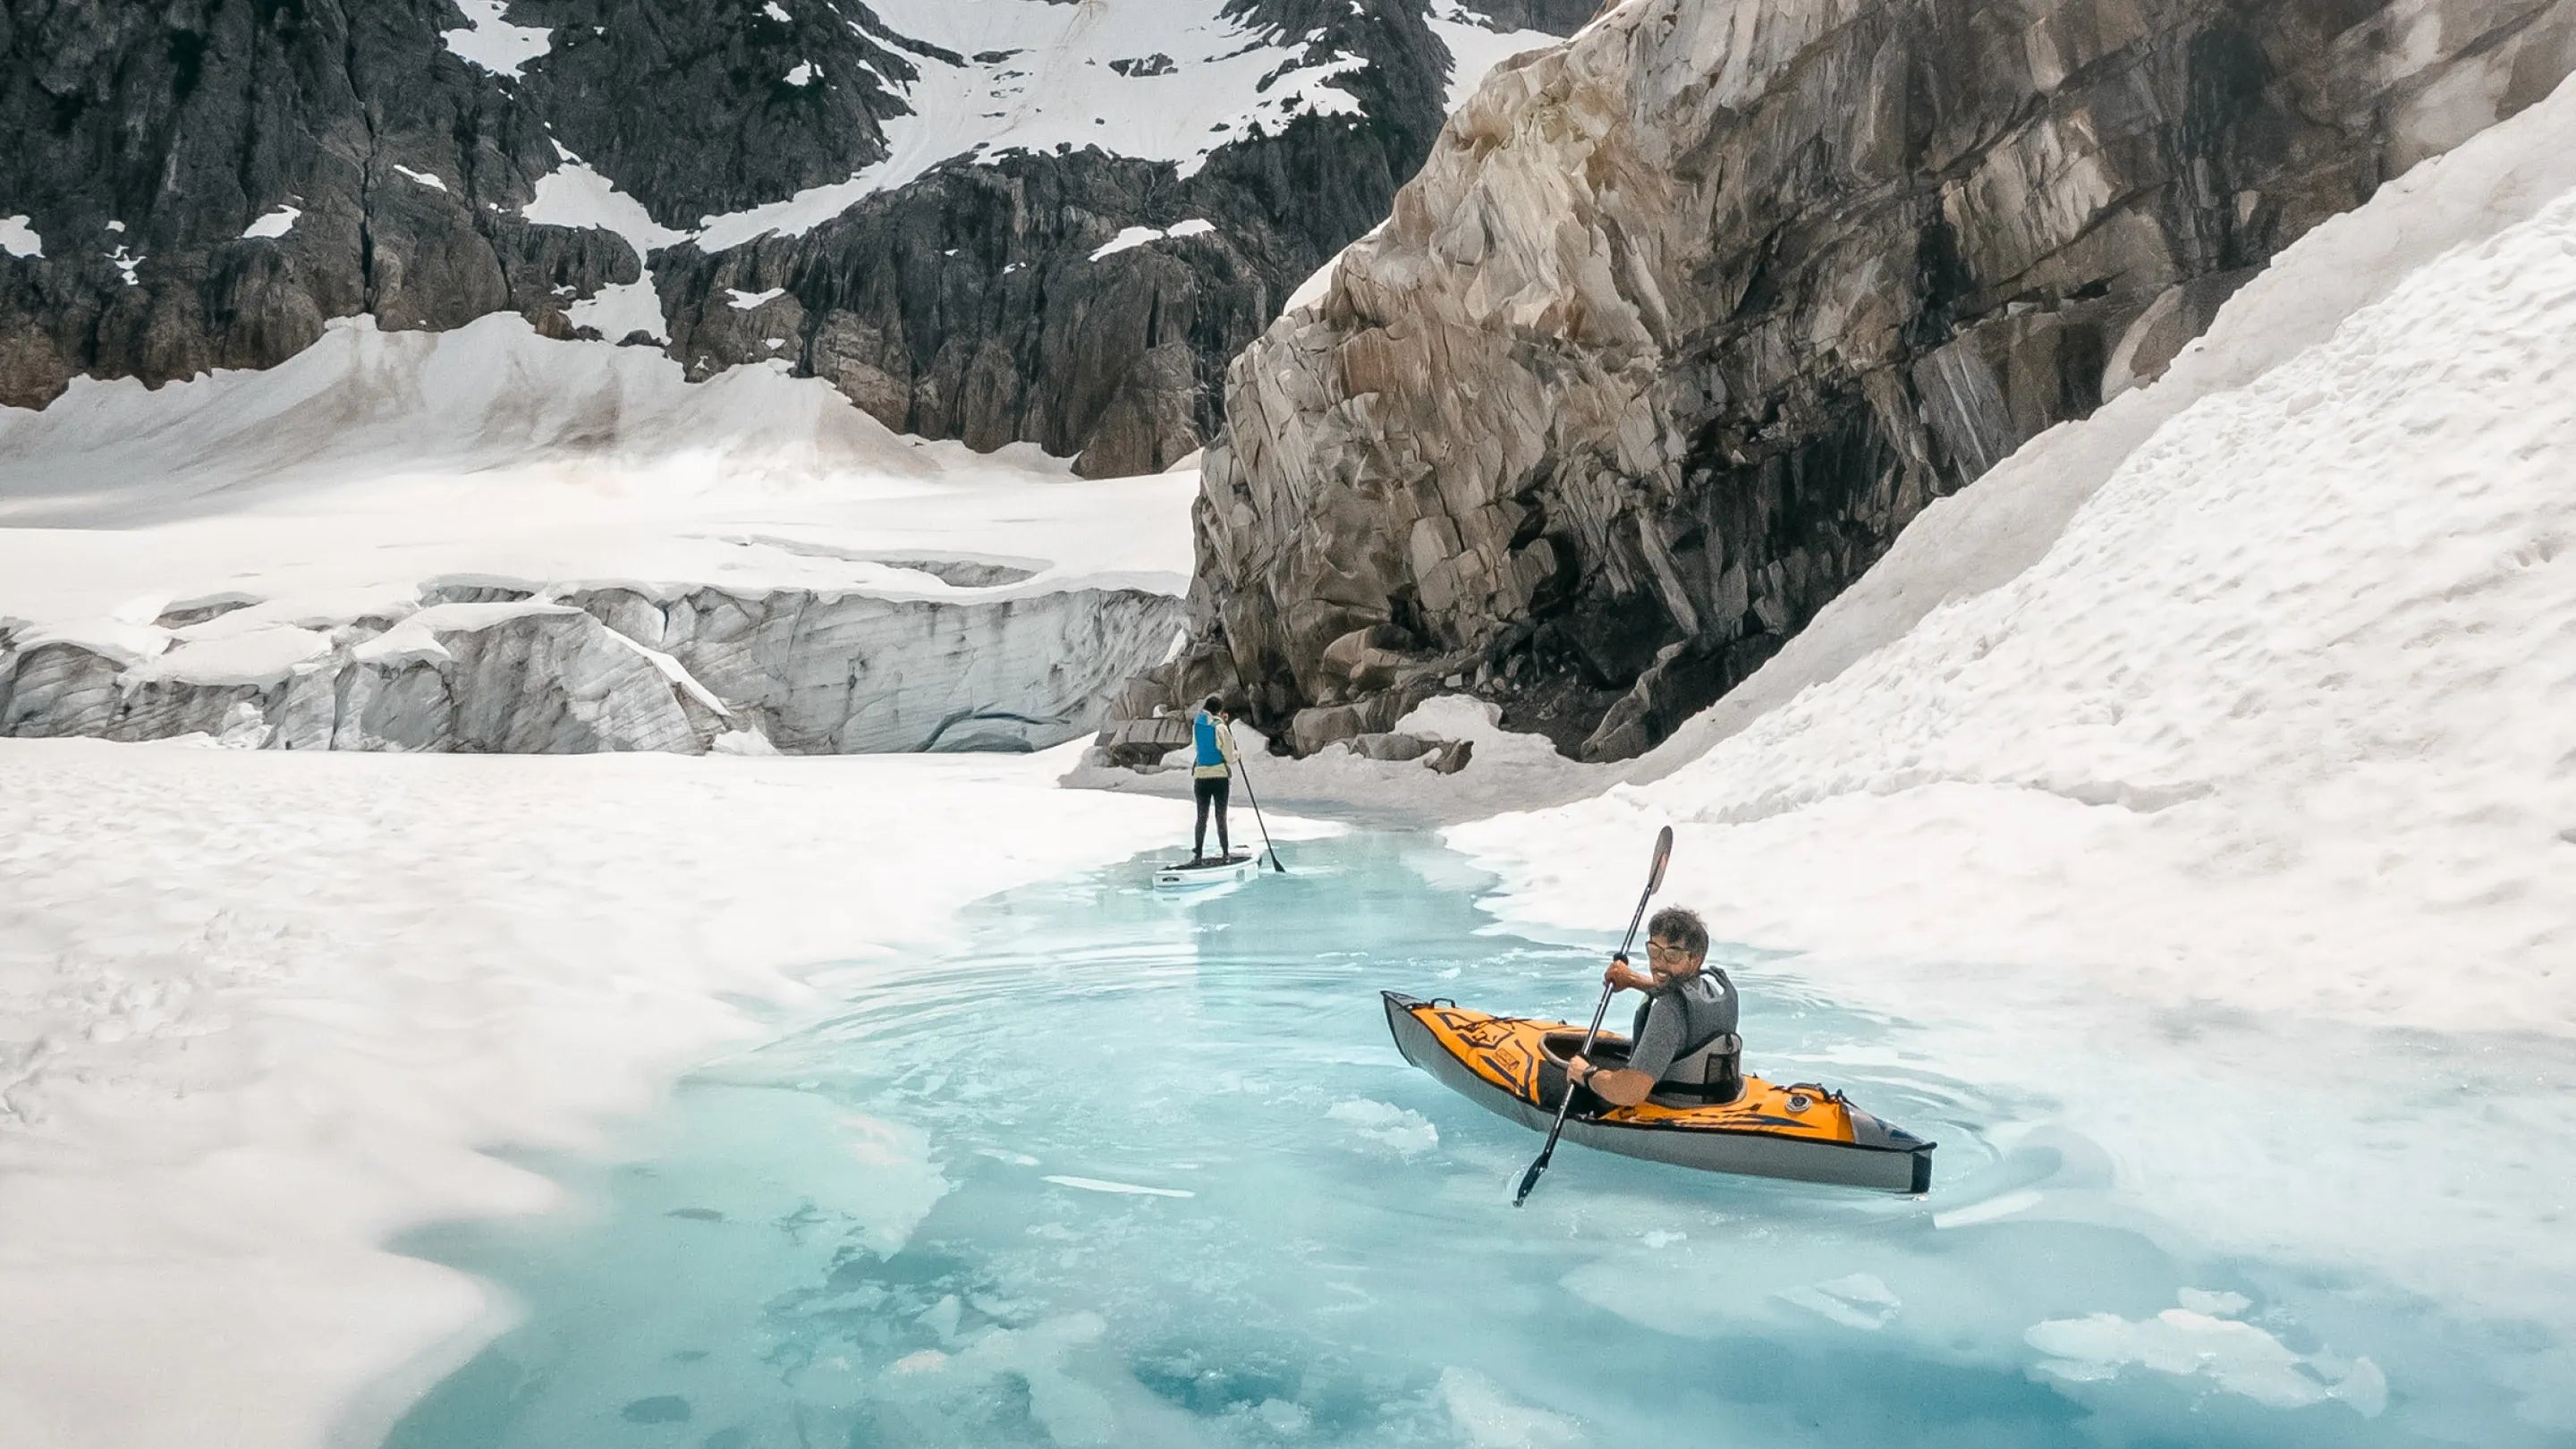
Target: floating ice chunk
2216,1305
1409,1134
742,301
1488,1418
1094,1184
1857,1301
425,178
2239,1357
2003,1205
494,43
19,239
943,1316
1284,1416
276,224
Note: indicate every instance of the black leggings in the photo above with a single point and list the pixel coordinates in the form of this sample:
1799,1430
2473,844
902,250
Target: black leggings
1209,791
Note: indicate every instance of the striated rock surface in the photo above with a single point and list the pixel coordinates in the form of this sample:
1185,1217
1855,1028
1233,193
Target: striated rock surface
1682,322
202,184
494,669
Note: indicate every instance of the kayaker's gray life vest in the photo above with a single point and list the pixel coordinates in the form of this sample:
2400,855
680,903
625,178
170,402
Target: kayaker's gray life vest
1707,1061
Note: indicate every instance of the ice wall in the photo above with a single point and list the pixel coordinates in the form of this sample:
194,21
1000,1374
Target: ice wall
574,671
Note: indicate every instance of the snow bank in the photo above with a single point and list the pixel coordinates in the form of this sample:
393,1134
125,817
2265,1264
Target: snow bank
1132,237
249,1031
374,461
18,238
1476,45
273,225
1159,80
1985,535
2205,772
493,43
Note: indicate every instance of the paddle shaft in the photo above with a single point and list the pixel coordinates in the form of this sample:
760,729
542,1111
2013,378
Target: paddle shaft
1256,808
1246,691
1258,816
1565,1104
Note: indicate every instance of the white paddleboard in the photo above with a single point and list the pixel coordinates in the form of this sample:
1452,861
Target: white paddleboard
1181,875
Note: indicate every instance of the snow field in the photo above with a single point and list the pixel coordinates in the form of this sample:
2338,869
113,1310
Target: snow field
258,1013
344,481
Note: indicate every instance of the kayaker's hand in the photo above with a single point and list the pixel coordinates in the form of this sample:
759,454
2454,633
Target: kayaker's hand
1621,976
1577,1069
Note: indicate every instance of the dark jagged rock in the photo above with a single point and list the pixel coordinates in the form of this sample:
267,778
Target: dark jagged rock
1682,322
963,304
690,108
153,137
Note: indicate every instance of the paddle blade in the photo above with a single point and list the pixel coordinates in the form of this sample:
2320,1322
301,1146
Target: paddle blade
1663,853
1529,1180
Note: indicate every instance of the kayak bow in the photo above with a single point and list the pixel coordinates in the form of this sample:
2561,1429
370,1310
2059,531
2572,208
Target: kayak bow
1805,1133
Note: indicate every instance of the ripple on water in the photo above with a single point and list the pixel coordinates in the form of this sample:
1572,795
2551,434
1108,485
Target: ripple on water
1127,1170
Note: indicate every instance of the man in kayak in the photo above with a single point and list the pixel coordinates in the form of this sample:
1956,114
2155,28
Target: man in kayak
1211,773
1682,1047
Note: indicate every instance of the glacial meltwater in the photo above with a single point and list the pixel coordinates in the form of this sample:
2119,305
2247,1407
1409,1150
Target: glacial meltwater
1127,1168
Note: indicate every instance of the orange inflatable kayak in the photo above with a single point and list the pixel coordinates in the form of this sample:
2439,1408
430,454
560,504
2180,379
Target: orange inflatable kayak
1802,1132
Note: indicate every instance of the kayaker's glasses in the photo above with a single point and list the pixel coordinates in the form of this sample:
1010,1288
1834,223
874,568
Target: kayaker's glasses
1658,951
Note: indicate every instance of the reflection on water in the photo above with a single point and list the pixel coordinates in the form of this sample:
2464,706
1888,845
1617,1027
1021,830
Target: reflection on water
1132,1170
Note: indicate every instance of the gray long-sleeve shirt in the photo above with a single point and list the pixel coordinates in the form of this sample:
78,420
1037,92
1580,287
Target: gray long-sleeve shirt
1683,1016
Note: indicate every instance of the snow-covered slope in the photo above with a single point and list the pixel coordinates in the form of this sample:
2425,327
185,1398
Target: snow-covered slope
484,539
258,1014
2207,771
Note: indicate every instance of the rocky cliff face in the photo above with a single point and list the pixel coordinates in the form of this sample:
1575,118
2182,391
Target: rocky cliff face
1681,323
1009,221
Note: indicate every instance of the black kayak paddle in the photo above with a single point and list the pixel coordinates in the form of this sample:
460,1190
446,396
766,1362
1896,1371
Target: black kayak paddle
1256,809
1654,878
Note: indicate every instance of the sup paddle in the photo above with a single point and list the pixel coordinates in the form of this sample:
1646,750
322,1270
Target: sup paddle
1654,878
1256,808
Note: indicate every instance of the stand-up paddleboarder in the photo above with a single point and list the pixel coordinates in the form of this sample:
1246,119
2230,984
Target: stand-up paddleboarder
1211,774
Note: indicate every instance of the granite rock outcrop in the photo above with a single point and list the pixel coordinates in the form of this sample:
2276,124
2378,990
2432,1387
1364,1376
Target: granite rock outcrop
1682,322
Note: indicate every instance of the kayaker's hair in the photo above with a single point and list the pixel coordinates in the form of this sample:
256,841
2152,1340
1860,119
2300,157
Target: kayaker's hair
1682,928
1213,704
